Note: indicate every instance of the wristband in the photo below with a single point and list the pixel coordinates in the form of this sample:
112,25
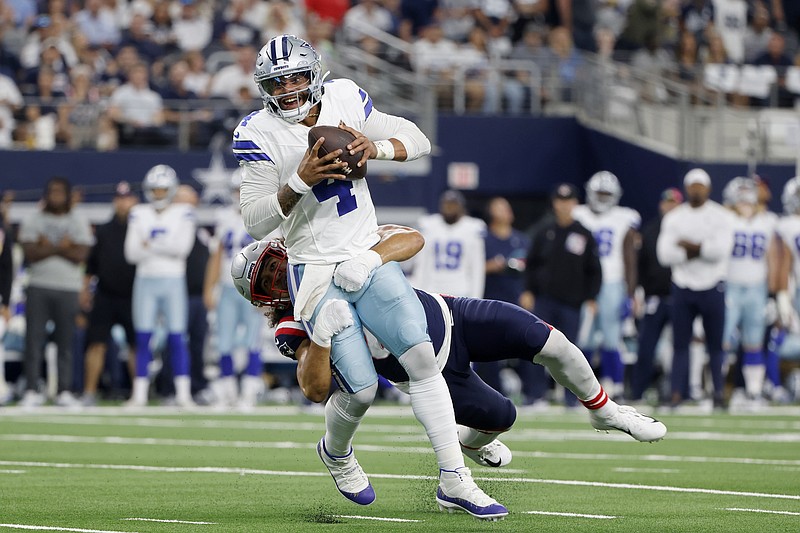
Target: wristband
385,150
298,185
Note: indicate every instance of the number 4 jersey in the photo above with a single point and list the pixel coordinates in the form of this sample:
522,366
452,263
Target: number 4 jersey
336,220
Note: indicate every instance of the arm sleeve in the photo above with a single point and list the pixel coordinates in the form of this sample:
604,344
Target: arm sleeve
289,335
667,249
261,211
135,250
379,126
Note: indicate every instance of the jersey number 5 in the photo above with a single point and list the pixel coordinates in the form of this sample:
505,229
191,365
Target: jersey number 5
339,189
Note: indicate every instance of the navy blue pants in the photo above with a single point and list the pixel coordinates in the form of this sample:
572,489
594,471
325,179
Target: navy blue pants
686,305
650,328
568,320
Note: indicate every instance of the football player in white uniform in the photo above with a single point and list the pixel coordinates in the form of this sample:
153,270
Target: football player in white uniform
453,260
330,226
159,239
219,294
615,228
788,278
746,292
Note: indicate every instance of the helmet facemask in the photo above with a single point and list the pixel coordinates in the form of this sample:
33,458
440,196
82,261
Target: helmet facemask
603,192
268,285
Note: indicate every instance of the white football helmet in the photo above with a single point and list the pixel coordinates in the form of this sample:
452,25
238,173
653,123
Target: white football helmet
791,196
740,190
603,191
160,177
281,58
246,267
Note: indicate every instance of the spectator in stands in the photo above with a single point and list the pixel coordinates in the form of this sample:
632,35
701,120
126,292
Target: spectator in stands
562,271
197,79
687,59
179,109
777,57
192,30
107,292
10,102
332,11
24,12
228,80
481,94
562,68
494,17
715,51
517,85
79,116
56,241
697,17
787,15
506,251
367,13
138,36
162,30
656,281
643,19
137,110
578,17
432,54
281,20
197,325
456,18
696,240
652,62
416,15
453,260
234,29
758,33
97,23
44,29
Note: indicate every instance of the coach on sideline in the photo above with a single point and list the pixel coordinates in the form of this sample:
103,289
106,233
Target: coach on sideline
696,241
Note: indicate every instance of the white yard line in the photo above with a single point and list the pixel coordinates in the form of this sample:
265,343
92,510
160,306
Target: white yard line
574,515
646,470
790,513
57,528
254,471
378,518
17,471
171,521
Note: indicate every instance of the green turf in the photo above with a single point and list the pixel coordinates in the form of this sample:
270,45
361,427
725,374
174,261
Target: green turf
56,469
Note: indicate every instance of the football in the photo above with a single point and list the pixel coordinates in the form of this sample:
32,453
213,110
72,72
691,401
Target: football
336,138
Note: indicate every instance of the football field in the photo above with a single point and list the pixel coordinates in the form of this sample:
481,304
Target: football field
162,470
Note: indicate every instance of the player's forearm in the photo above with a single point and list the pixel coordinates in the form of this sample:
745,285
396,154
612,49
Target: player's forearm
398,243
314,371
263,216
75,253
36,252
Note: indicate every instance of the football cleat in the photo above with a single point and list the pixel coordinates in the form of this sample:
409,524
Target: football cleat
494,454
458,492
350,479
625,418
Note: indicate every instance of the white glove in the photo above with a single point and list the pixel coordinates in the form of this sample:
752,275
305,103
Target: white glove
352,274
785,308
333,317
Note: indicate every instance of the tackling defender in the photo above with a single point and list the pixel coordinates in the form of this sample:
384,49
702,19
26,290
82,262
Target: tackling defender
330,226
464,330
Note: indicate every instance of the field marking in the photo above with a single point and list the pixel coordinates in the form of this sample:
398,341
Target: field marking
378,518
574,515
171,521
255,471
394,449
790,513
23,471
646,470
56,528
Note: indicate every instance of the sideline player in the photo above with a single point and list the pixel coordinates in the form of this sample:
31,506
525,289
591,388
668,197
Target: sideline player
464,330
330,226
159,239
615,228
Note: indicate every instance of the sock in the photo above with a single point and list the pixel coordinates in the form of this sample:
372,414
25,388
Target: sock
475,438
753,371
141,387
343,414
432,405
568,366
225,365
253,364
179,355
183,387
143,355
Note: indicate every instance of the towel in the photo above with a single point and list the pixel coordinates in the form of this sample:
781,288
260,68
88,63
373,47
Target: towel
313,286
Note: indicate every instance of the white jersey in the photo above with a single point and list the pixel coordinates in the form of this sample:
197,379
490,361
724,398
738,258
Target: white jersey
231,236
730,20
336,220
158,242
609,230
453,260
751,239
788,229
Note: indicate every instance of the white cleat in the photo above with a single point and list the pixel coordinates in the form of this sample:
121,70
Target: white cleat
495,454
625,418
458,492
348,475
